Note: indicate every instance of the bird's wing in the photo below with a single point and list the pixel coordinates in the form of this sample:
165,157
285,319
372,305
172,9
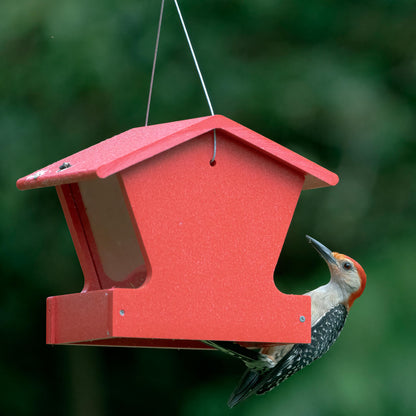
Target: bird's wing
253,381
246,387
324,334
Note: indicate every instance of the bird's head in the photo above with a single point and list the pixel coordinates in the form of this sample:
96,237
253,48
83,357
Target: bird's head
345,271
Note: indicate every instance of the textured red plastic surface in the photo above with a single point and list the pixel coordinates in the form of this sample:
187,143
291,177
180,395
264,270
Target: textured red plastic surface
127,317
138,144
209,238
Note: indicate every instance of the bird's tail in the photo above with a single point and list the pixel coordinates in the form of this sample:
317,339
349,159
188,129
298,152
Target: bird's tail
245,388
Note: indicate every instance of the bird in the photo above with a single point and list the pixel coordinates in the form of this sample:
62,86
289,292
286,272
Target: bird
330,305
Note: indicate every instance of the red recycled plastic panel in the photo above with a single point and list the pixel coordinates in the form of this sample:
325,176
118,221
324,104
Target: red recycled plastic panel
209,237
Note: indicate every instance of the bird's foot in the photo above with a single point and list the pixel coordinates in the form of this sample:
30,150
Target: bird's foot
263,362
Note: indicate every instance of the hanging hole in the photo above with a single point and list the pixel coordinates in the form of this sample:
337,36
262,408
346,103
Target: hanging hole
212,162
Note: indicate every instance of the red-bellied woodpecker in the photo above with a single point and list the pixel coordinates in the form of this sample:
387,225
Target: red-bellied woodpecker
330,306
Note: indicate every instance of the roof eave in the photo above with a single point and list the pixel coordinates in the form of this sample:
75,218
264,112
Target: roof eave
315,175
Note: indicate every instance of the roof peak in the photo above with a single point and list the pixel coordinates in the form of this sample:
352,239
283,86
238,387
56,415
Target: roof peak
140,143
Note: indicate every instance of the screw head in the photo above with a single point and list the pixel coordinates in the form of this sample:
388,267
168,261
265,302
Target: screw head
122,312
37,174
302,318
64,165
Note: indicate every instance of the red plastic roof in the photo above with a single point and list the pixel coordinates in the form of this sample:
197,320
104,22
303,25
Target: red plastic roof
133,146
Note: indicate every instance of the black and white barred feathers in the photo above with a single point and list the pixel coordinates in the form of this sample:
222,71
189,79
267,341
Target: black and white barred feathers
330,305
324,334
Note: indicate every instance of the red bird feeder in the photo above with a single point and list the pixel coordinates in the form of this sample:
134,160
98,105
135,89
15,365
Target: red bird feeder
173,249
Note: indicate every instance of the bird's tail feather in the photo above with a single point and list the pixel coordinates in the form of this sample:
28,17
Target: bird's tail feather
245,387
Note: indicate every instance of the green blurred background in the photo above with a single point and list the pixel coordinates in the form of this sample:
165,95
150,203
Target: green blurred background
334,81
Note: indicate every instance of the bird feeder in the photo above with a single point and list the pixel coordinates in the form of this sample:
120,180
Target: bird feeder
175,249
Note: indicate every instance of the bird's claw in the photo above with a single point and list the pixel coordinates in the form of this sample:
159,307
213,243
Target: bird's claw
264,362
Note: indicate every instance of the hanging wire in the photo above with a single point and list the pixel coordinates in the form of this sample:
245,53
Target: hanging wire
194,57
212,161
154,63
214,152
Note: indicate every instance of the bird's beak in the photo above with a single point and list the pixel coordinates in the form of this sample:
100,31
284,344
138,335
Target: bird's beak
325,252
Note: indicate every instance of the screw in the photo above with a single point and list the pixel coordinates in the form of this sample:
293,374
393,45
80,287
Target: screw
37,174
302,318
64,165
122,312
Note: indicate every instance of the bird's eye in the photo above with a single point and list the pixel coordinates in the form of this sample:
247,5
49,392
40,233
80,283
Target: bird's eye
347,265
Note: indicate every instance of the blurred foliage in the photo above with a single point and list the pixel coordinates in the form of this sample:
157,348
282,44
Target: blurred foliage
334,81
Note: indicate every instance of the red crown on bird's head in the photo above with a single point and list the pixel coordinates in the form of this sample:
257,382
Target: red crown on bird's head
361,273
